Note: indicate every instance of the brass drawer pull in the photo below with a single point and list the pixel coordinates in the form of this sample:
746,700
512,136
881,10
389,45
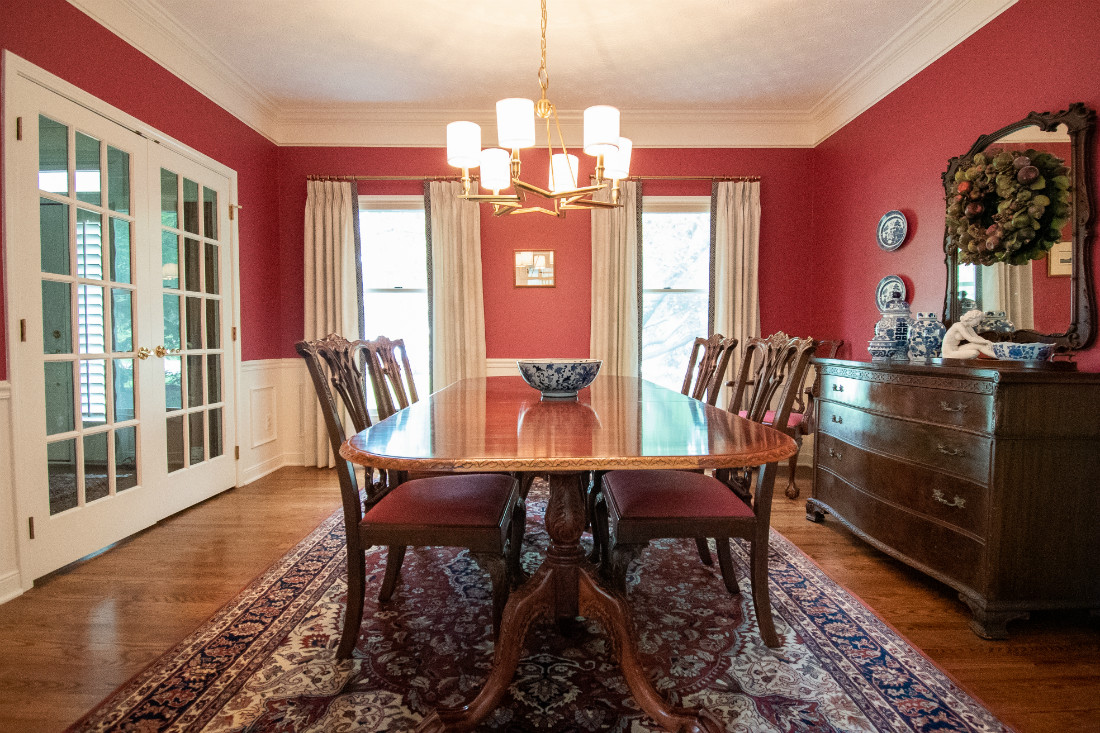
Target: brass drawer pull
838,420
835,454
838,387
958,501
949,451
959,407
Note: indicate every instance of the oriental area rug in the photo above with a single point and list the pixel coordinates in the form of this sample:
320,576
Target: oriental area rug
266,662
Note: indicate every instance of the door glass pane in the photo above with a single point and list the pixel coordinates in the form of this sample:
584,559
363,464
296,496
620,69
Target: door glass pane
213,325
195,438
169,199
211,268
57,334
125,458
122,320
53,156
209,213
88,184
170,259
215,432
120,250
118,180
192,265
61,458
175,443
93,392
172,322
54,235
60,397
194,381
124,389
214,378
96,482
89,245
190,206
194,323
173,384
89,313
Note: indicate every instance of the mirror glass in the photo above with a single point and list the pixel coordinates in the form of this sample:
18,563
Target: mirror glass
1048,299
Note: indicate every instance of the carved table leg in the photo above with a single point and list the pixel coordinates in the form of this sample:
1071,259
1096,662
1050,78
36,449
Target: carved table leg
561,588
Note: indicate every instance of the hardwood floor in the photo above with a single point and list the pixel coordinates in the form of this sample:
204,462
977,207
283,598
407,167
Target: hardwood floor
80,633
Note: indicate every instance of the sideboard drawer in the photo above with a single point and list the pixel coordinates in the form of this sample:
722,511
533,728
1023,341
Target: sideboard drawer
958,408
937,547
941,448
927,492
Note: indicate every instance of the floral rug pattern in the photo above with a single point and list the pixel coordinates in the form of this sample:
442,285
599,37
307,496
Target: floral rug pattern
266,662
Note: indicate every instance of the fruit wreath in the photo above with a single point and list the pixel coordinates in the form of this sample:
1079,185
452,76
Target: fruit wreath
1010,207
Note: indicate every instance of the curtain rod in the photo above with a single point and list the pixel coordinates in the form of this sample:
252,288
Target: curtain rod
458,178
694,178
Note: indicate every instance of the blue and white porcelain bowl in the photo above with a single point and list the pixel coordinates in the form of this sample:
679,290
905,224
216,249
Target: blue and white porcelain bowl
559,378
1022,352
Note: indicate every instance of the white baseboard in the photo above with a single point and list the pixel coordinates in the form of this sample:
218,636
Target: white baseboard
10,586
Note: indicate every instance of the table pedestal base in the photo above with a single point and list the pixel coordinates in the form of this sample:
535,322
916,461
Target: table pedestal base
563,588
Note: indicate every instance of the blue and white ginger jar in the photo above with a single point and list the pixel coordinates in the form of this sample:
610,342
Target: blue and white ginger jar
996,321
925,337
891,339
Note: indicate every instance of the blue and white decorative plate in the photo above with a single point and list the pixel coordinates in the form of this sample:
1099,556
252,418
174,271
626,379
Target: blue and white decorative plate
888,288
892,228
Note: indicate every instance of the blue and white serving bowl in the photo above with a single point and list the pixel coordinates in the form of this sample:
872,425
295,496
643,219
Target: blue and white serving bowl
1022,352
559,378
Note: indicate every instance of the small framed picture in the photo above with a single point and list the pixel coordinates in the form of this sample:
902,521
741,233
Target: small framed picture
1060,260
534,268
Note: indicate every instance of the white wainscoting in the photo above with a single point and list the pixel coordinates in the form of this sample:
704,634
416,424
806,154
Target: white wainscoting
502,367
270,425
10,584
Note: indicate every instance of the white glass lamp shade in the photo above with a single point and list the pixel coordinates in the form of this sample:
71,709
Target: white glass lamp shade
515,123
496,171
563,172
464,144
601,130
617,165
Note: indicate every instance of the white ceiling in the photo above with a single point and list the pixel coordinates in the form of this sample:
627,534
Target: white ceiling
683,72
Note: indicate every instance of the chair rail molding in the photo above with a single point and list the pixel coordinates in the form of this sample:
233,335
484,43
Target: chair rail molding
10,581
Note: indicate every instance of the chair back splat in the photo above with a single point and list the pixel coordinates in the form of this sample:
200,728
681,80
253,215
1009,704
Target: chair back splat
771,373
704,379
390,374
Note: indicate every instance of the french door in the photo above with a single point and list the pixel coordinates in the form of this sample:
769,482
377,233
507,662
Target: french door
119,291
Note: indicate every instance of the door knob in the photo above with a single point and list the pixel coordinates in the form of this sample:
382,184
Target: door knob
143,353
163,352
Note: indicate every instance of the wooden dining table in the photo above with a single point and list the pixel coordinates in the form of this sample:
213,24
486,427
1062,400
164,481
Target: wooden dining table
497,424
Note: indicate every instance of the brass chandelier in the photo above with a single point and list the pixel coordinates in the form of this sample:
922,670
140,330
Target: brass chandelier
516,130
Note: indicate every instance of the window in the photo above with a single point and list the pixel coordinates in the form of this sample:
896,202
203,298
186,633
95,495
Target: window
395,277
675,284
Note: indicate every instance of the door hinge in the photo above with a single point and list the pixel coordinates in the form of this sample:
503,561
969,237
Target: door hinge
18,128
237,452
233,333
22,329
30,526
232,211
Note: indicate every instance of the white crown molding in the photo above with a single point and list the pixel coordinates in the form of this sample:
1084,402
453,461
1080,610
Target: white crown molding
157,35
937,30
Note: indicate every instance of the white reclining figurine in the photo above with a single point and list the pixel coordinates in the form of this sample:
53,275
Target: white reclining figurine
961,340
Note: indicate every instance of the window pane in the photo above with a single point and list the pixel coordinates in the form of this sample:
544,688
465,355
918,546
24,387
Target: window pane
211,268
57,334
214,378
194,381
195,437
96,482
173,383
170,260
215,432
89,245
125,458
169,199
210,213
175,443
118,180
61,459
53,156
190,206
59,397
93,392
670,323
402,316
90,321
120,250
194,323
172,322
88,184
393,249
213,325
53,219
676,250
122,320
124,389
192,267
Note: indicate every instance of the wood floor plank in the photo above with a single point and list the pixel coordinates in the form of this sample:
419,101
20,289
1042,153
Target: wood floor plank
79,634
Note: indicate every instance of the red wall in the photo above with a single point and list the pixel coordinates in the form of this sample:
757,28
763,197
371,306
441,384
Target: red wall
61,39
534,322
892,155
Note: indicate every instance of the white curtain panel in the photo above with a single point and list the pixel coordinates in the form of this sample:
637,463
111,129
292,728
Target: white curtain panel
1015,292
736,258
615,337
458,314
331,287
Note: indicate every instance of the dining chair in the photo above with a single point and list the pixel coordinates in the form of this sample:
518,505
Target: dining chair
483,513
636,506
390,374
802,421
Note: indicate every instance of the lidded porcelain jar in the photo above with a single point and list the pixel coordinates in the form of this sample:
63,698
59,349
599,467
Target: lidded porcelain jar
996,321
925,337
891,339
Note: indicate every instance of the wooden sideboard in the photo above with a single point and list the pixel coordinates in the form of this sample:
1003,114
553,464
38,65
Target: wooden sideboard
987,478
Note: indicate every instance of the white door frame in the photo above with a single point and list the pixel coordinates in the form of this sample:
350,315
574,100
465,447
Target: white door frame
15,67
